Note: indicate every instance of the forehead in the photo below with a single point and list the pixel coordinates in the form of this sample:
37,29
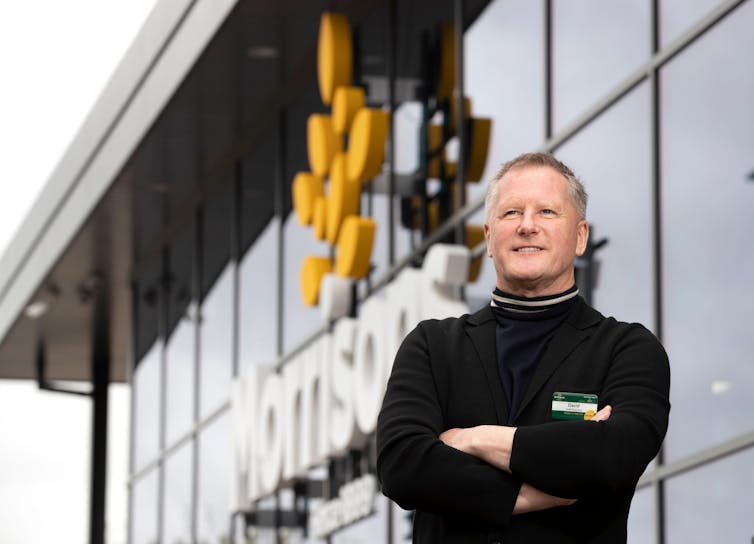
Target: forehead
533,182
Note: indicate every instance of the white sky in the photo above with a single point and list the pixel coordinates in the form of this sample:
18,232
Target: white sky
55,58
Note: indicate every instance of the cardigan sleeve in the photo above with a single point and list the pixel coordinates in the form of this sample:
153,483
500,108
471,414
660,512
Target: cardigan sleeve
415,468
582,458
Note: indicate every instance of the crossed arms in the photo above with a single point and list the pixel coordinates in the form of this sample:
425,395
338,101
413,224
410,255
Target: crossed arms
486,473
494,444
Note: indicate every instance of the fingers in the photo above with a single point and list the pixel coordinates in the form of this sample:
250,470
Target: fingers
603,414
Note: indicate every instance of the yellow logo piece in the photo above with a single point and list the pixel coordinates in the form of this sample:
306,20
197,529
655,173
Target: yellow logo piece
306,189
334,54
312,271
322,144
342,198
366,144
355,247
346,102
319,218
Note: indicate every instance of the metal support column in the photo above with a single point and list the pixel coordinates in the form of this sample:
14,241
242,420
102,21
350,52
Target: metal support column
100,383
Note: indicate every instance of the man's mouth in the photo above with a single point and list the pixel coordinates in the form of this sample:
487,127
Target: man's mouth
528,249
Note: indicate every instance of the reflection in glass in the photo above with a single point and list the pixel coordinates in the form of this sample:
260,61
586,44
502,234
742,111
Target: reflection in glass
642,517
216,361
596,45
144,510
713,503
707,141
408,120
677,16
177,514
258,311
179,360
611,156
146,381
215,467
504,78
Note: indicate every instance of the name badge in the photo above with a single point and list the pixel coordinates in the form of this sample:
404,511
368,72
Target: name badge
572,406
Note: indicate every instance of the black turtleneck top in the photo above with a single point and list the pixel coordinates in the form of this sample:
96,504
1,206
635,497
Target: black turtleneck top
524,328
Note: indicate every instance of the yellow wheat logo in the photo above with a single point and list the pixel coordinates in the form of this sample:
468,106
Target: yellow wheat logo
327,197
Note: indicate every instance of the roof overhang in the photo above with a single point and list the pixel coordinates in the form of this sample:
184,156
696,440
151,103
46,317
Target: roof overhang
74,240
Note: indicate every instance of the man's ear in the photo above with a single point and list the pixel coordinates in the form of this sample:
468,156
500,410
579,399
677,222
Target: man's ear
487,239
582,235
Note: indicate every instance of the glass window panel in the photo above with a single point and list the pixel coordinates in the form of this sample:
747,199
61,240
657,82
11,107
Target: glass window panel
176,508
144,510
146,381
642,517
408,122
707,142
300,321
677,16
379,204
216,230
179,389
258,327
147,310
611,156
216,345
596,45
713,503
504,78
215,466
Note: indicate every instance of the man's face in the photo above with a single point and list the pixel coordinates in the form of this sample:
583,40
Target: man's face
534,232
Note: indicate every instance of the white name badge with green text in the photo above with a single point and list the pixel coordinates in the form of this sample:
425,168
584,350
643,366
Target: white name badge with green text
570,406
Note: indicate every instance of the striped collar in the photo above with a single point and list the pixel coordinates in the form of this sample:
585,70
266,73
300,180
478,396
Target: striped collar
524,305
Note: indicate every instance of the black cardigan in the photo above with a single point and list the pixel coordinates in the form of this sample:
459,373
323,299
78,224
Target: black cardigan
445,375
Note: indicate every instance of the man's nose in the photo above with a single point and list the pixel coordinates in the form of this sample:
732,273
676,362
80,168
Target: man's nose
528,224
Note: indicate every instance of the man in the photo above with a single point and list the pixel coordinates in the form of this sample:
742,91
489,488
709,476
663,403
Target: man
477,429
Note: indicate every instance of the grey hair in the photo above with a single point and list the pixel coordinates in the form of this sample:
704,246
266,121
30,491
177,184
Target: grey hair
575,187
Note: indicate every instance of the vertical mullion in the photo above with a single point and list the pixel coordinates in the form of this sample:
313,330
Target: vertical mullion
280,202
657,224
162,327
196,296
235,259
391,58
280,205
280,213
390,54
548,68
460,121
132,408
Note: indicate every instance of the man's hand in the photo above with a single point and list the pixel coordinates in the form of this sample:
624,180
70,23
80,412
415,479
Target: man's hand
603,414
531,499
491,443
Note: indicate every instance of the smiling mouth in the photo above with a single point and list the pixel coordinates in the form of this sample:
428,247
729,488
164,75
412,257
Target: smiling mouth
528,249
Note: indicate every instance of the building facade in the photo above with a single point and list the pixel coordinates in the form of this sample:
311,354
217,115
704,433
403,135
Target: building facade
197,239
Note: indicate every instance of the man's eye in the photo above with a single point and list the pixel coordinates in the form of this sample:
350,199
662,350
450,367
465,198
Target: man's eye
509,213
548,211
